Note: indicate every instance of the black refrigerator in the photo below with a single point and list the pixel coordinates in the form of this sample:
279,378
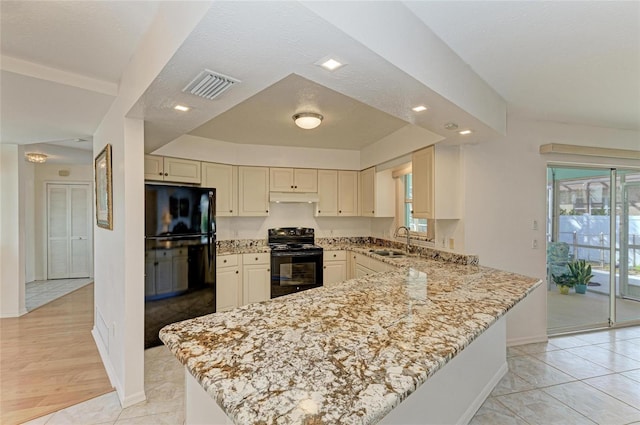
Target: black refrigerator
180,243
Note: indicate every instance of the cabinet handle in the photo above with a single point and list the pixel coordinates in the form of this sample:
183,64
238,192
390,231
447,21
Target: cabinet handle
266,211
237,272
224,261
324,267
166,174
268,270
335,255
291,186
319,211
340,211
256,258
372,211
230,210
296,187
160,173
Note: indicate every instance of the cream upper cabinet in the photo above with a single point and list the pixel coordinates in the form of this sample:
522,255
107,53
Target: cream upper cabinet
224,178
293,180
171,169
436,177
377,193
347,193
327,205
253,191
153,167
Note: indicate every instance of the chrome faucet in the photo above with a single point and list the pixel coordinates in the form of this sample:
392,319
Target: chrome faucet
408,234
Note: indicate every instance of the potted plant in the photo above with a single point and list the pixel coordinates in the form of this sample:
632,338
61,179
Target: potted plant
580,273
564,281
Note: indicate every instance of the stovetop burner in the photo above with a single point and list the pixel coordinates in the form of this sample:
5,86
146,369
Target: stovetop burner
292,239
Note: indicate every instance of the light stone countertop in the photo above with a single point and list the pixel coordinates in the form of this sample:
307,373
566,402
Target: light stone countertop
347,354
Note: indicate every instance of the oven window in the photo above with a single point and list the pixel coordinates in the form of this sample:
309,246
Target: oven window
294,273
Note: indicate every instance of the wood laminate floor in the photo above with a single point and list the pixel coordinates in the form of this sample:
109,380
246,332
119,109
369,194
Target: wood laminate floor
49,360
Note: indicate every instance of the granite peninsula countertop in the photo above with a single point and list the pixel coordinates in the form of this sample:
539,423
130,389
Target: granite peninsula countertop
347,354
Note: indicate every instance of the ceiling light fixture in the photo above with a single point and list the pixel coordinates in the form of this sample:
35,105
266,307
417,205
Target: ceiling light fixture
307,120
451,126
38,158
181,108
419,108
465,132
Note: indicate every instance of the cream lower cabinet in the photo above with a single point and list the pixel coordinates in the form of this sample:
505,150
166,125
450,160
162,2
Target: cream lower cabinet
363,265
253,191
228,282
256,277
334,268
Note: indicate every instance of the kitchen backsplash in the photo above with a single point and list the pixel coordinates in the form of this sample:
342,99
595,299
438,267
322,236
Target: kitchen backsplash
239,245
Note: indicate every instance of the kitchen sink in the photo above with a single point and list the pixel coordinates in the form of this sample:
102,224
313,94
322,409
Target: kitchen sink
388,253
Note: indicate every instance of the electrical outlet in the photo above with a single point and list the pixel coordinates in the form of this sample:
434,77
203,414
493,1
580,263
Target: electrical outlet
535,225
451,244
534,244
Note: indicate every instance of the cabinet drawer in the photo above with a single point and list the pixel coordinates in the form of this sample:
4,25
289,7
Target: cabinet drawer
335,255
257,258
227,260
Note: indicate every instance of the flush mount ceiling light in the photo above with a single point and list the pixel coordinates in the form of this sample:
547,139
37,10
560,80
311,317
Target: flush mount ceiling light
419,108
307,120
465,132
181,108
451,126
38,158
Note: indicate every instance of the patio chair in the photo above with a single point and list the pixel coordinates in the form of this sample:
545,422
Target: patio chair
557,260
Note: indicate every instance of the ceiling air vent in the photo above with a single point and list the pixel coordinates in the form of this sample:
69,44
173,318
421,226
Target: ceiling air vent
209,84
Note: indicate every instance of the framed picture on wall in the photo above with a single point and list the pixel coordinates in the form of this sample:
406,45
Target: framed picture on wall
104,196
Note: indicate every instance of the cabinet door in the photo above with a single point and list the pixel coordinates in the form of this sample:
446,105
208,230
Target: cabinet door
153,167
253,191
367,192
224,178
334,273
347,193
228,288
149,275
327,193
423,183
362,271
281,180
256,280
305,180
164,273
180,270
181,170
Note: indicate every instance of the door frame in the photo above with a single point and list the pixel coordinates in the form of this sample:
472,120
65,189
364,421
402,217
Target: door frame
45,221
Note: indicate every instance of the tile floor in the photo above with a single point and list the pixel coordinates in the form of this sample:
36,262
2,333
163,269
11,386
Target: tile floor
41,292
591,378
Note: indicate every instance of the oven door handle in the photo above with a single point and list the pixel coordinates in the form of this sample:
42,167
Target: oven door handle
296,254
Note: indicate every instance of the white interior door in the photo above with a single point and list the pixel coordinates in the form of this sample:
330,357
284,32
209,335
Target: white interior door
68,231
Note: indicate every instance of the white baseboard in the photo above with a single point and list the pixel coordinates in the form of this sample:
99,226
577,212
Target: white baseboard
527,340
104,355
486,391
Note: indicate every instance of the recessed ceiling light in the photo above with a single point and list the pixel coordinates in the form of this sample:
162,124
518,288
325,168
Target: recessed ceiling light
181,108
330,64
420,108
465,132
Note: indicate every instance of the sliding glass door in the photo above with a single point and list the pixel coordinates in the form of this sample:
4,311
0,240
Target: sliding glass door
628,276
594,215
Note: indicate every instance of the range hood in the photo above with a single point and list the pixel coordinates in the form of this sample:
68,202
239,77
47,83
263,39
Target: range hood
293,197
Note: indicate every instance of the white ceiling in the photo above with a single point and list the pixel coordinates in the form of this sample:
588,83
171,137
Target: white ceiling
575,62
